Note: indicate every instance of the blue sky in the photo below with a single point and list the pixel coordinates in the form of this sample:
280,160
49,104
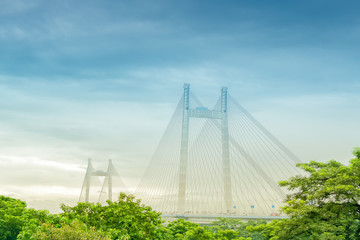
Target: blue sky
82,79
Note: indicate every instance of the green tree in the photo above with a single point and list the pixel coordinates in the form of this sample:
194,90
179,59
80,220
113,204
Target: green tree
75,231
182,229
198,233
125,218
324,203
230,228
180,226
15,217
11,217
228,234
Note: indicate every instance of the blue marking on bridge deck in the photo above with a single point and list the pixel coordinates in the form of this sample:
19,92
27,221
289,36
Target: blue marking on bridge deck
202,108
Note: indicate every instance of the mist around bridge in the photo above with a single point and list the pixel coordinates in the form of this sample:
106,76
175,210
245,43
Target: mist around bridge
322,204
216,161
100,81
202,109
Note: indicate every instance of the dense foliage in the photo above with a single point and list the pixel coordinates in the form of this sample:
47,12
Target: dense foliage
125,218
75,230
11,220
14,216
323,204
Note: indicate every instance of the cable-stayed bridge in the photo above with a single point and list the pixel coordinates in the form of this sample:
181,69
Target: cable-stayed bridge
104,191
216,162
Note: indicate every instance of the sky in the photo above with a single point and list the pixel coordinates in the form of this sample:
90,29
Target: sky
101,79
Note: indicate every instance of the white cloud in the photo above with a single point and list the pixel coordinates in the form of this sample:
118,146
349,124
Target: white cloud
16,161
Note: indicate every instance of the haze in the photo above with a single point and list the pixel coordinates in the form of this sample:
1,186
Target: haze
100,80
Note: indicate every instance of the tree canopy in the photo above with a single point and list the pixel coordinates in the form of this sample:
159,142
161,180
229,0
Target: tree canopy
11,220
324,203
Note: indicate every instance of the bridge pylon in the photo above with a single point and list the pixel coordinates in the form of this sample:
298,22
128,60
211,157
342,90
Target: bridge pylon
202,112
108,180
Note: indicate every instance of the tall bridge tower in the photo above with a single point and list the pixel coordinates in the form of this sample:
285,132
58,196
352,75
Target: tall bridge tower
202,112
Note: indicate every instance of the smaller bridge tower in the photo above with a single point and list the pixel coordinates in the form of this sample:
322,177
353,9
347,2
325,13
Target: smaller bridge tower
91,172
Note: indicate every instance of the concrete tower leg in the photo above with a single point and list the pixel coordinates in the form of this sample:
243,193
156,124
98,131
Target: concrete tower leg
87,181
109,172
225,151
184,151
